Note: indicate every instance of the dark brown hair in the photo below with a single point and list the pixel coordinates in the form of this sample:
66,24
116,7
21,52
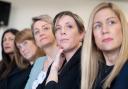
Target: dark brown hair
7,64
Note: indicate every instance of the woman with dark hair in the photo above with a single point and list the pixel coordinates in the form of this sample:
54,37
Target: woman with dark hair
7,44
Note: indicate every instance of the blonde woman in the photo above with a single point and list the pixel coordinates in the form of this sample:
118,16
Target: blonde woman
105,49
42,28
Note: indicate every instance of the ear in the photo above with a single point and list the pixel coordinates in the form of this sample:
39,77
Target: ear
82,34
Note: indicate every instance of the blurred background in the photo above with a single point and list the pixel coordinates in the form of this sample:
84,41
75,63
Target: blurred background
22,11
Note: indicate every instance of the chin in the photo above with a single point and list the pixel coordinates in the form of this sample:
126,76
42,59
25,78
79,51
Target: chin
8,52
66,50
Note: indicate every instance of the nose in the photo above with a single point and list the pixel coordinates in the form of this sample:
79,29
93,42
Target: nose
63,31
41,33
104,29
22,49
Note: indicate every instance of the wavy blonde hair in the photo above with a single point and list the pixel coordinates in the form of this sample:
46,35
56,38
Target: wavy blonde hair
25,34
91,55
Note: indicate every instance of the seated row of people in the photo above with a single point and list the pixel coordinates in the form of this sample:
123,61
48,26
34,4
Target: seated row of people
48,56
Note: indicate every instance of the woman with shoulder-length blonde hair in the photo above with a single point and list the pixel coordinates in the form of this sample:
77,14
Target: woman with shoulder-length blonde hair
105,49
65,72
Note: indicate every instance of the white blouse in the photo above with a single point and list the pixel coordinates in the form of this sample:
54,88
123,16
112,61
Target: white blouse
39,79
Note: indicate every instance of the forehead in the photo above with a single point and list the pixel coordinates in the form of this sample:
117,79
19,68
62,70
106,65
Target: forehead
9,34
23,41
104,14
65,19
40,23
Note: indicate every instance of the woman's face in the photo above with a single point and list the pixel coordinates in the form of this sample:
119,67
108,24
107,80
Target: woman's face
8,42
27,49
43,34
67,34
107,30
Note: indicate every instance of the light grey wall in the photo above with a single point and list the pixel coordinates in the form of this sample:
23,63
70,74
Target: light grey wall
23,10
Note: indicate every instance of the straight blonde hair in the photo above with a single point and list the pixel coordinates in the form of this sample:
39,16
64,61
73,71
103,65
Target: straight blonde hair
91,56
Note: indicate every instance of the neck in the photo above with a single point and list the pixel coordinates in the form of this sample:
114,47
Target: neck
11,56
71,52
51,51
111,56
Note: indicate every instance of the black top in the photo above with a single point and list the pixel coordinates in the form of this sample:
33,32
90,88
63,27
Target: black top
16,80
120,82
70,75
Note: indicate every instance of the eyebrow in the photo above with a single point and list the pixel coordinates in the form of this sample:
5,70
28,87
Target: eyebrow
111,18
41,26
65,23
106,19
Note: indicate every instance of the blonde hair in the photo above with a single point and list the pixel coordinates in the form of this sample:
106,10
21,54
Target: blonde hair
91,55
25,34
45,18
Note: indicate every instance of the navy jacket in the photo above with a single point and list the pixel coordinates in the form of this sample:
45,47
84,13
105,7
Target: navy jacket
16,79
120,82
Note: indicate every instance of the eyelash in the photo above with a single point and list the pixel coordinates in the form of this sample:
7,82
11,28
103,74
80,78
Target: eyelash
69,26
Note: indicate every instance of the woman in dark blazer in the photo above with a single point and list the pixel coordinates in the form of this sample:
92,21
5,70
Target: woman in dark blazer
65,72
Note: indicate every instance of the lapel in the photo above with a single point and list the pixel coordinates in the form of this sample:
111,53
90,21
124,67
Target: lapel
74,61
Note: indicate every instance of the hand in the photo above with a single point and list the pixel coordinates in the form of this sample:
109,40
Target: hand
57,64
58,61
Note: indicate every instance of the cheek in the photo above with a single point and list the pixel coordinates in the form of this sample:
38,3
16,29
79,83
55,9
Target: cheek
13,45
21,53
33,48
97,38
58,41
118,36
118,32
36,38
57,36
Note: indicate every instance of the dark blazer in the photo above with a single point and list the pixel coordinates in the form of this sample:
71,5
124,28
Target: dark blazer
16,79
120,82
70,75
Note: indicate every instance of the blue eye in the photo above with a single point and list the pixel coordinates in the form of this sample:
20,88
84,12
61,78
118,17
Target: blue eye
36,32
97,26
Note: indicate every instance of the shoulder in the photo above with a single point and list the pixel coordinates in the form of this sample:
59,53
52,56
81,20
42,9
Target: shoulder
124,69
37,67
121,81
124,72
40,59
